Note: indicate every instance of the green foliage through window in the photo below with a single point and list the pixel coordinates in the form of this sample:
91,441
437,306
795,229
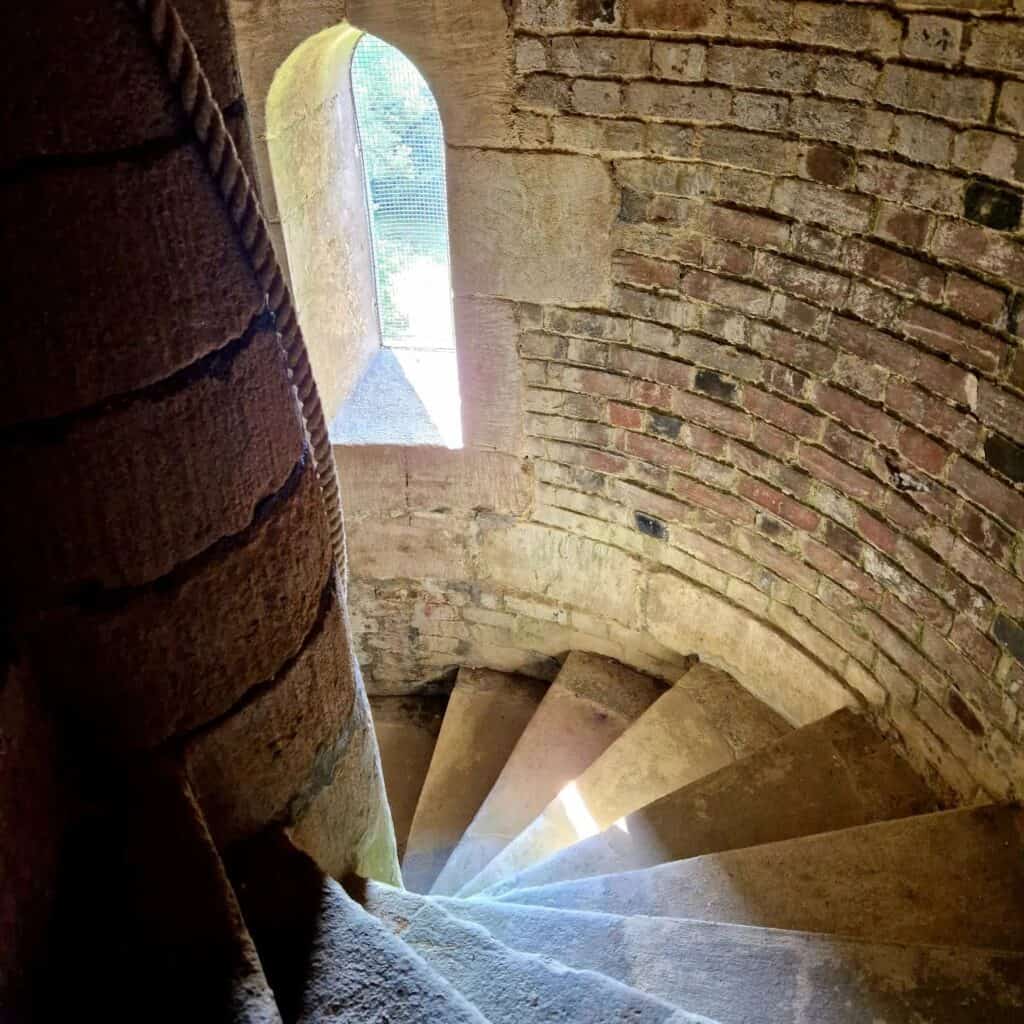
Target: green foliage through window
403,159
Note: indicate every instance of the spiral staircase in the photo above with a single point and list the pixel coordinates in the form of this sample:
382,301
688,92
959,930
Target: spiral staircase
610,849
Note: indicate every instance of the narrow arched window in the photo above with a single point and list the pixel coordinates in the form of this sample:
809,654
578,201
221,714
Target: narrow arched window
402,148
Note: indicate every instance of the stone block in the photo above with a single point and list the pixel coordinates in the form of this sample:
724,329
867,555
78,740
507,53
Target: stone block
93,289
120,499
686,617
529,227
269,756
145,664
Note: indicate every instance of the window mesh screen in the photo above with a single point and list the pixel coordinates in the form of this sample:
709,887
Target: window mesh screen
403,160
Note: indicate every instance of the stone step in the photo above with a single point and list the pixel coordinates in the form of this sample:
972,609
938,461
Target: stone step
486,715
836,773
704,722
952,878
407,728
327,960
510,986
742,975
591,703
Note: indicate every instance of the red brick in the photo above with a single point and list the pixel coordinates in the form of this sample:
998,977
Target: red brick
836,568
972,346
645,270
782,414
1007,590
724,504
899,224
786,347
933,416
751,228
650,394
603,462
976,300
844,477
876,532
725,292
625,416
982,488
981,248
722,417
820,286
727,257
921,451
658,453
857,414
779,504
895,269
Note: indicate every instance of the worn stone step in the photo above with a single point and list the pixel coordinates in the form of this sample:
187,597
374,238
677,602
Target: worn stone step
704,722
327,960
590,704
743,975
511,986
486,715
952,878
836,773
407,728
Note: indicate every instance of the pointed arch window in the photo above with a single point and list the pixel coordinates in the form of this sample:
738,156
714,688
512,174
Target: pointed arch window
401,142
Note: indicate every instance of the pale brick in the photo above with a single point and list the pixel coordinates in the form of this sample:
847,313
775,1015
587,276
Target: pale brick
681,62
846,77
933,38
958,97
922,139
1010,109
776,70
998,156
824,205
847,27
677,102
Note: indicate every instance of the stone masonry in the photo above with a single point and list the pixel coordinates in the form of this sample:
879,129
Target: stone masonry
783,409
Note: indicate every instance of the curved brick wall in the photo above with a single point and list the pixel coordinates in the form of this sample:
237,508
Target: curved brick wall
784,405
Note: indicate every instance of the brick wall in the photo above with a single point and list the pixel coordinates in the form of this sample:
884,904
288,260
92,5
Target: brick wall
794,402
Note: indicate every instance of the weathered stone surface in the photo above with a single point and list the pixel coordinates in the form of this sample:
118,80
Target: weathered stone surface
104,88
943,879
530,228
485,717
498,979
704,722
89,327
94,509
318,195
487,336
328,961
763,661
273,753
141,665
406,729
835,773
346,828
576,571
735,973
591,703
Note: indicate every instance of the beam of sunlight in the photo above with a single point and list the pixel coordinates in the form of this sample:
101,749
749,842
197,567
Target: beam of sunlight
621,825
579,817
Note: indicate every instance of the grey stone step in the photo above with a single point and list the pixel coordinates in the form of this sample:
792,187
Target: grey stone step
590,704
836,773
487,713
407,728
704,722
327,960
953,878
742,975
510,986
